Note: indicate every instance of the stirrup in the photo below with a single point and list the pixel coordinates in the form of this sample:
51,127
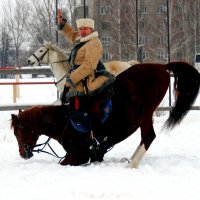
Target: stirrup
95,145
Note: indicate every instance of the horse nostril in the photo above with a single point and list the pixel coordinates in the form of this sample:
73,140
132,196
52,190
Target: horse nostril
27,156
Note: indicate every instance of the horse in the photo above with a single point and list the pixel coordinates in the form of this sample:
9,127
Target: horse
137,93
52,55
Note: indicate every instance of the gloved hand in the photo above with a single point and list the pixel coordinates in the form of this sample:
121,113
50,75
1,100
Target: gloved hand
61,21
69,84
63,95
59,16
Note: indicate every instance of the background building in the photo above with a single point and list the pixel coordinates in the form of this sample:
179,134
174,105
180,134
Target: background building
147,30
163,29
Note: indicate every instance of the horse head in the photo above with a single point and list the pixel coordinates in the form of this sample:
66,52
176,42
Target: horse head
51,54
26,138
40,56
48,54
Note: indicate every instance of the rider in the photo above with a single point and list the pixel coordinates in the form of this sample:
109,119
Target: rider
88,76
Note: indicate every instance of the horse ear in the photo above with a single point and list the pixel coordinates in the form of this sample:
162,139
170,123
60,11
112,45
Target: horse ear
20,111
15,120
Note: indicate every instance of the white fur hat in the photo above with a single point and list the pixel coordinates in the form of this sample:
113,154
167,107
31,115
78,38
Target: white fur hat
85,22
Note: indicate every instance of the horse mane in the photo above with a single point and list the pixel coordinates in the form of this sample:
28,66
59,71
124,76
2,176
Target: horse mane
33,117
64,54
29,117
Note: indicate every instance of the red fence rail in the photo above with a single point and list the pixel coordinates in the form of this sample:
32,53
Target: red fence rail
38,71
26,83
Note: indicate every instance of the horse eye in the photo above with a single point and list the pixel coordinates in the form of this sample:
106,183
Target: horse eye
41,50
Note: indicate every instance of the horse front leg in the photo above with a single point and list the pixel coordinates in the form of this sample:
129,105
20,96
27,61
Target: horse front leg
147,137
75,160
67,160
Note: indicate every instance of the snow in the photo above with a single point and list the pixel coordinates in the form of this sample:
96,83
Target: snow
169,170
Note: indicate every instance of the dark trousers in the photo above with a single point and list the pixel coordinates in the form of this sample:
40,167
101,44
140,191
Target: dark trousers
88,111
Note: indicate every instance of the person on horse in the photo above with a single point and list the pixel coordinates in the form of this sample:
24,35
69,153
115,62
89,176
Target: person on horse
88,84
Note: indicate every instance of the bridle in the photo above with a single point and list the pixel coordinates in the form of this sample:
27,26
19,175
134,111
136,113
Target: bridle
39,60
30,148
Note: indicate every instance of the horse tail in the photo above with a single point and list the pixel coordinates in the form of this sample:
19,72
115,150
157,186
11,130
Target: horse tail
186,86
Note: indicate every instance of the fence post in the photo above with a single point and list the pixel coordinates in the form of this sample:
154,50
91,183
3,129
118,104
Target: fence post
16,89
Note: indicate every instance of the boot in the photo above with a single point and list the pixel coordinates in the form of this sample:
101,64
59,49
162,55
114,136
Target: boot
97,128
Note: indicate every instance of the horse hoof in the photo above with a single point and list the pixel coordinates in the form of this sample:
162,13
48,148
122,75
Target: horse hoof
75,161
67,161
132,165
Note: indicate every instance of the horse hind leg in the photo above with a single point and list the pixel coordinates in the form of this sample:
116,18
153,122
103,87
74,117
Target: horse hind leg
147,137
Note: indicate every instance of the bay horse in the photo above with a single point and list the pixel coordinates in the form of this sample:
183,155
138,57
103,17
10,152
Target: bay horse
138,92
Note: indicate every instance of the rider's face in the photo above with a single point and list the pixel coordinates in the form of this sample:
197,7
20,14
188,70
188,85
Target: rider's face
84,31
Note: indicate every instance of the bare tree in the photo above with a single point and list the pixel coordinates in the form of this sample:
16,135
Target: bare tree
40,23
115,22
16,17
27,22
182,30
4,45
153,29
69,8
71,5
197,23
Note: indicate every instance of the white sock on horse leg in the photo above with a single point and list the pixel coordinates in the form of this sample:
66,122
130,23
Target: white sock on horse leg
137,156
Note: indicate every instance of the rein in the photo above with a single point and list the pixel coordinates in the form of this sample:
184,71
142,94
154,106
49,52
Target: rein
56,82
44,145
59,61
41,57
29,148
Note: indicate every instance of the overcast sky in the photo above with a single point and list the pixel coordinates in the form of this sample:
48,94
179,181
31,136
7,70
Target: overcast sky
2,3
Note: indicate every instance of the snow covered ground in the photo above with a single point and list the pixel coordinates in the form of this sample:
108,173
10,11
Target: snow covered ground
169,171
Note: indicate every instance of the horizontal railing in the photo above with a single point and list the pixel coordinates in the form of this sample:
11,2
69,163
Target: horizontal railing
26,70
43,71
4,107
26,106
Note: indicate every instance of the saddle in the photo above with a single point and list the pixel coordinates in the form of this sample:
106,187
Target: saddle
90,112
80,120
